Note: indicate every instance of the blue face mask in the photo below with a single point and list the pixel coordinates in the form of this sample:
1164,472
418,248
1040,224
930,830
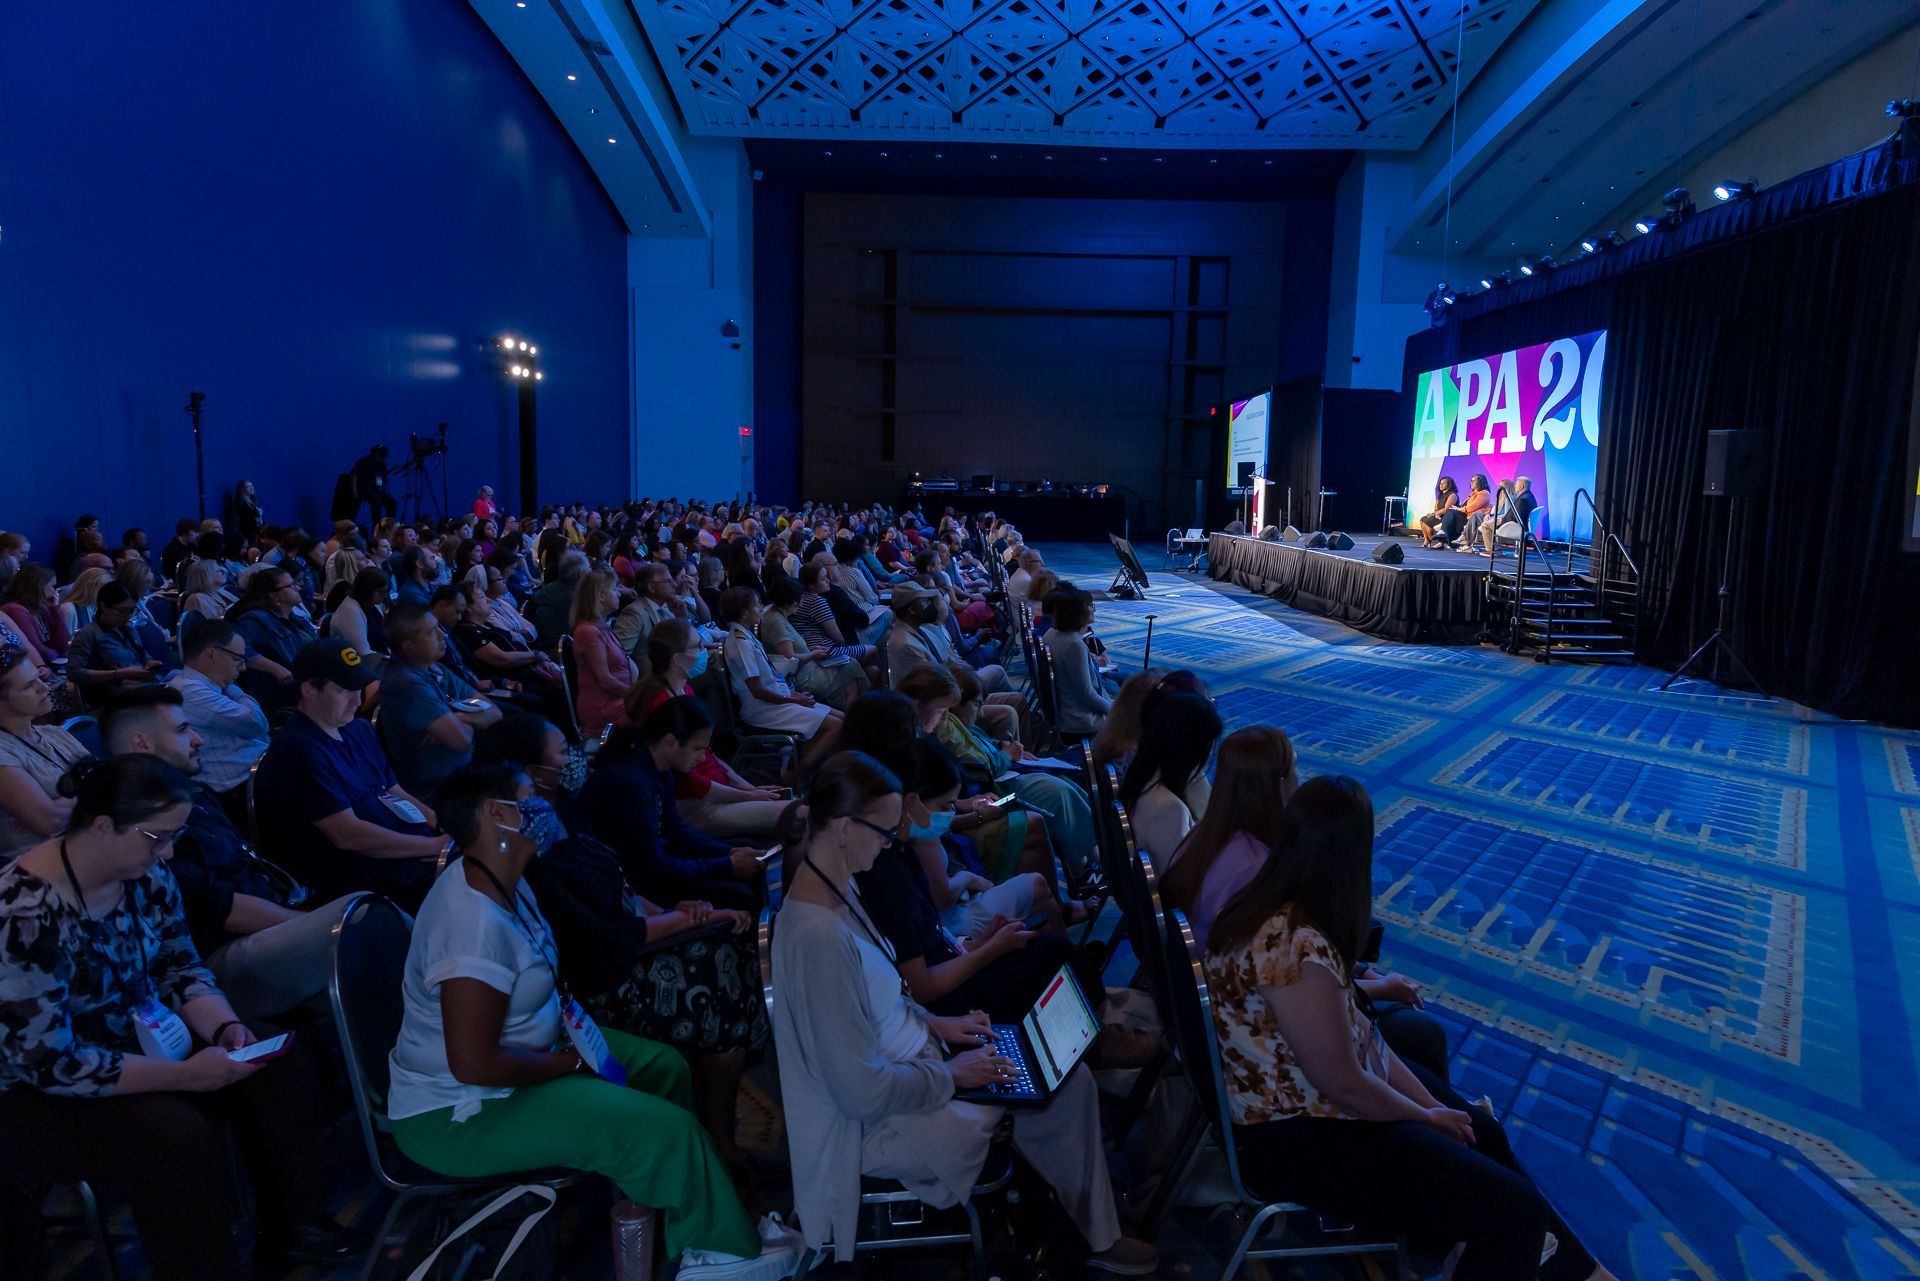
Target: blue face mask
699,665
937,826
540,824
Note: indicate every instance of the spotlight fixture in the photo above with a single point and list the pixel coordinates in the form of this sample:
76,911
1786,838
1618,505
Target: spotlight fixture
1642,226
1906,138
1438,302
571,76
1526,269
1589,245
507,342
538,375
1735,190
523,344
1602,244
1676,207
1503,279
1486,282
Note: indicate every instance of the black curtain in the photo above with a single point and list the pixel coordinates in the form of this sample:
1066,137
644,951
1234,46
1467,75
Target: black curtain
1293,451
1808,332
1807,329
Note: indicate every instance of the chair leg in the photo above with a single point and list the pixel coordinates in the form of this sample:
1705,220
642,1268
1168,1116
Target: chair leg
977,1266
1247,1240
1192,1127
97,1229
384,1237
808,1257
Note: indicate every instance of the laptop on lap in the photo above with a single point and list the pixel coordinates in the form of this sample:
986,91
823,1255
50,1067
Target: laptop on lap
1043,1047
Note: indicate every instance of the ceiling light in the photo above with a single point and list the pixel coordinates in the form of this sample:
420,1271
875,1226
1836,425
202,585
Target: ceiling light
1735,190
519,4
1642,226
571,76
1526,269
883,155
936,155
523,344
538,376
1677,206
1486,282
533,351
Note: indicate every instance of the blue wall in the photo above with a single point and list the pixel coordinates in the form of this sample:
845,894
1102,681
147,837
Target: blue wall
319,215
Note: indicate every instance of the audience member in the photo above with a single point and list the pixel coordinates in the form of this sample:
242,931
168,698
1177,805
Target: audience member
328,801
266,619
655,604
683,975
766,700
606,672
713,795
865,1085
34,610
33,758
1079,691
104,655
100,1079
826,671
1324,1113
1177,739
78,598
918,637
231,725
816,623
360,619
186,532
478,1089
427,715
203,590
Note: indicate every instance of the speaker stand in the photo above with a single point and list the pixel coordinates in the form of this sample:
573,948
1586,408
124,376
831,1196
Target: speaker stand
1718,643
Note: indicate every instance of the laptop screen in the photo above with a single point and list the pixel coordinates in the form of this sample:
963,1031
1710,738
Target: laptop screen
1060,1027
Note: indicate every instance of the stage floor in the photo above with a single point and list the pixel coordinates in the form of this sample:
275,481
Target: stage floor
1672,936
1430,596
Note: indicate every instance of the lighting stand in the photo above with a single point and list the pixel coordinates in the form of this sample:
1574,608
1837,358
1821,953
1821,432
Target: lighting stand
196,400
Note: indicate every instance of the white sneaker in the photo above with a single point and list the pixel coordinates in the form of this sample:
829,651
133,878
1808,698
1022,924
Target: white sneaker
780,1248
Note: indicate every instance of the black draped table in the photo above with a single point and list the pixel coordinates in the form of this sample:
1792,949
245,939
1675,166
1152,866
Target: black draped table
1433,596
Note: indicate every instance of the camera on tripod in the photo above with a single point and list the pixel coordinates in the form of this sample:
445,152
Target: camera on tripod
425,447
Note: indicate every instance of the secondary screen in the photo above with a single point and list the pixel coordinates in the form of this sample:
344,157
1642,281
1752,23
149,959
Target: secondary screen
1246,438
1533,412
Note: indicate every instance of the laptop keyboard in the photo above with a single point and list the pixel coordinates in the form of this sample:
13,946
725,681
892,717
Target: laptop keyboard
1007,1041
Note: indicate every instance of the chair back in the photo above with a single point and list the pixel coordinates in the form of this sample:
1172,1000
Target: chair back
164,609
569,681
87,730
1191,1006
766,957
369,959
1147,930
1043,685
253,815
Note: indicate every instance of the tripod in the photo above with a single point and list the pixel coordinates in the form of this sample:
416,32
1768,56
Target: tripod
1718,642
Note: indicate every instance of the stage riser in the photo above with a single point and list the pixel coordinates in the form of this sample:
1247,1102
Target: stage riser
1406,602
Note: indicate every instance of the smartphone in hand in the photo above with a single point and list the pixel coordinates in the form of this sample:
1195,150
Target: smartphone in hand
261,1051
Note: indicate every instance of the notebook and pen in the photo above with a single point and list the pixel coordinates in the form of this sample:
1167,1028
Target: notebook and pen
1043,1047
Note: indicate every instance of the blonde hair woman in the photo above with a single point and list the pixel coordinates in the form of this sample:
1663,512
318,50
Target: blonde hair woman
76,602
605,671
201,585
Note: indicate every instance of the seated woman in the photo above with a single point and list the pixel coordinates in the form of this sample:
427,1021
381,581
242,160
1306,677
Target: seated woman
360,619
33,607
1324,1113
77,599
496,654
686,975
766,700
1079,689
203,586
1254,779
605,671
628,802
1444,523
919,637
115,1065
712,795
487,1076
33,758
1474,514
1119,739
864,1080
1177,739
833,678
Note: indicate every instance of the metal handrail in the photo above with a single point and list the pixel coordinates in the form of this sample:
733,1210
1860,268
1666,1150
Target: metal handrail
1516,628
1612,544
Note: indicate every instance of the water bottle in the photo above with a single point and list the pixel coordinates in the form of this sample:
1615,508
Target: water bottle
634,1227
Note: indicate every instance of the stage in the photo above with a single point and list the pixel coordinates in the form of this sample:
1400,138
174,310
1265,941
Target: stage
1431,596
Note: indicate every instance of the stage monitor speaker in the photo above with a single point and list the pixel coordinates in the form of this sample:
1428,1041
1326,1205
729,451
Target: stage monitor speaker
1389,553
1315,539
1290,535
1235,527
1339,542
1734,462
1271,534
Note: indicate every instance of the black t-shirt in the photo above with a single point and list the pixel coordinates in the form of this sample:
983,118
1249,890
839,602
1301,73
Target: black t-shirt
896,895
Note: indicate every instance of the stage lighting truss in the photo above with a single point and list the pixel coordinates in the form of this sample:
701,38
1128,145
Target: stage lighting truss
520,359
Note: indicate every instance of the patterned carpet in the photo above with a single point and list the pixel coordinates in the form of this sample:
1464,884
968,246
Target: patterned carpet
1669,931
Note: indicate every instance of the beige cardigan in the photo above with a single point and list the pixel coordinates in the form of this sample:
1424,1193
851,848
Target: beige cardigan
836,1087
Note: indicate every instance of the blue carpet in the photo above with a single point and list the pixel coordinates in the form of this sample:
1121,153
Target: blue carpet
1674,936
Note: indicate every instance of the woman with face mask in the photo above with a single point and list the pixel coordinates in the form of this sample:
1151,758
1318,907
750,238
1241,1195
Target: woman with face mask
499,1067
687,975
712,795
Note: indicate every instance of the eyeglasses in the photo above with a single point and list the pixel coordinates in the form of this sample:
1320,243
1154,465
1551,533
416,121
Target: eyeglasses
156,839
885,833
237,655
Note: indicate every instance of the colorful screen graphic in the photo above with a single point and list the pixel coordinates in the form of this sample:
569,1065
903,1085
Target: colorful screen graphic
1534,412
1246,438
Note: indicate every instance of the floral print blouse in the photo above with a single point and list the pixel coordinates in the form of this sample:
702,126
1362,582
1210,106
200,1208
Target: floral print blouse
69,983
1264,1080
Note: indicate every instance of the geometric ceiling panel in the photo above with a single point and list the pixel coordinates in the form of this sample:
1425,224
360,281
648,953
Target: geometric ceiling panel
1264,74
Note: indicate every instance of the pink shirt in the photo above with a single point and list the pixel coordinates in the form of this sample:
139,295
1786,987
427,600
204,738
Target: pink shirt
1232,869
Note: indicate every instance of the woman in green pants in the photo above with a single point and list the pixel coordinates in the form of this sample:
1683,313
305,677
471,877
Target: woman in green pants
497,1069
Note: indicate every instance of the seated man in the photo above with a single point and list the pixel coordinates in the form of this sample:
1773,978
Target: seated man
1511,518
329,803
655,604
105,656
268,954
428,714
231,725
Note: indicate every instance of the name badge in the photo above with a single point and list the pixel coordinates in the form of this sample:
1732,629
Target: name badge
585,1037
162,1033
403,809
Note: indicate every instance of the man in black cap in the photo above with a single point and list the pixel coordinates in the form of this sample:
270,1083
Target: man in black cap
329,804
